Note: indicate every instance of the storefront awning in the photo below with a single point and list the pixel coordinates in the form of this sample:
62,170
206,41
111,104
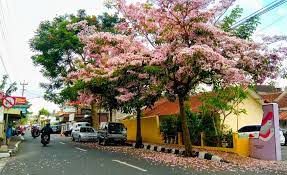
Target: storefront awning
12,111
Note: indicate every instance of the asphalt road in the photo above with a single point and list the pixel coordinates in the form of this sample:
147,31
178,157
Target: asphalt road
63,158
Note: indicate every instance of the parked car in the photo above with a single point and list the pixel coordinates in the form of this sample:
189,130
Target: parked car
112,132
252,131
84,133
75,126
282,137
56,129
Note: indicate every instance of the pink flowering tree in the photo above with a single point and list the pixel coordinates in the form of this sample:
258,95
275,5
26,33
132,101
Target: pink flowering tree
123,60
191,50
137,90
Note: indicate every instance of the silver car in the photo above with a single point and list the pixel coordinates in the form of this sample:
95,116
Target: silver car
84,133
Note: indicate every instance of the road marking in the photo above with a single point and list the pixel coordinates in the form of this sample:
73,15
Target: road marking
62,143
80,149
124,163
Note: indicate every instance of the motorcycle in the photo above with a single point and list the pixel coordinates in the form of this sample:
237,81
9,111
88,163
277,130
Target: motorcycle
35,132
45,139
19,131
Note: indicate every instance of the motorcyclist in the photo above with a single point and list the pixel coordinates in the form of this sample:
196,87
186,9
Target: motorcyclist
47,130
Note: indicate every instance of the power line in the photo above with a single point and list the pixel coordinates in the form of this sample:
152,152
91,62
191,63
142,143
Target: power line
35,97
259,12
32,93
4,67
3,21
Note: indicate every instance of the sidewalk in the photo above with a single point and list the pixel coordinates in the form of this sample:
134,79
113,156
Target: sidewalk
12,147
180,150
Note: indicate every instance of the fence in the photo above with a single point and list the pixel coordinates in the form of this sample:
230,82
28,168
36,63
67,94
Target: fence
151,134
239,146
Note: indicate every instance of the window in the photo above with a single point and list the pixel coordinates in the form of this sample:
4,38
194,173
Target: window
251,128
90,130
116,128
83,130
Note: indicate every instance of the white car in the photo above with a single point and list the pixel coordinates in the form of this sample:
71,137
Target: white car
79,124
249,131
84,133
252,131
282,138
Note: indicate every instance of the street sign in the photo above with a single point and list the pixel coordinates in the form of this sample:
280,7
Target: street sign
20,100
8,102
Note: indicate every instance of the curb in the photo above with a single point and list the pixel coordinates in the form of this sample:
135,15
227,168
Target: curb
13,151
181,152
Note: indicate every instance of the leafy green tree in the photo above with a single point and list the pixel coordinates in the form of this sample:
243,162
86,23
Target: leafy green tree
55,47
107,91
245,30
44,112
224,102
7,88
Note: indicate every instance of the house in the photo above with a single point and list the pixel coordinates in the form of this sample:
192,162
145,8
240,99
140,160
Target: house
252,104
163,107
76,112
14,114
270,94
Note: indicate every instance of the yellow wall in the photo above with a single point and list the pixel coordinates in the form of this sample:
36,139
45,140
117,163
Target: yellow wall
253,116
150,129
241,145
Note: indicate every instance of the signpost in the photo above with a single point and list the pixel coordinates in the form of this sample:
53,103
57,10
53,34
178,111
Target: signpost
8,102
2,95
267,146
1,107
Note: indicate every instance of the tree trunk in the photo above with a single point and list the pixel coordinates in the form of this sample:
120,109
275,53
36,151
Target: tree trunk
111,114
186,135
139,132
95,116
216,132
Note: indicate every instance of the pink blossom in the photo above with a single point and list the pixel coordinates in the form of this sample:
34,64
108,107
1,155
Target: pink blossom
143,76
122,90
86,97
125,97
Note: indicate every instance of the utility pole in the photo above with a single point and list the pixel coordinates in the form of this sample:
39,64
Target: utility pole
23,87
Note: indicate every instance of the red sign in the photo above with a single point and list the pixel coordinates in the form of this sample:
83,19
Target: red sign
20,100
72,103
8,102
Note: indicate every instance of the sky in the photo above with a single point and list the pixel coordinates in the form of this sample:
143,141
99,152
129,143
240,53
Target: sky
22,17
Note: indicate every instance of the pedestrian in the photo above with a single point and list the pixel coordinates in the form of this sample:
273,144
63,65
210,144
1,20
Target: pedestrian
8,134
